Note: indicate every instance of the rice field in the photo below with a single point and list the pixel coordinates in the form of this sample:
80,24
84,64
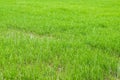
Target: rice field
59,39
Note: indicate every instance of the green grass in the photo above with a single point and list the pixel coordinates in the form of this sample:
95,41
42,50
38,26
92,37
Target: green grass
59,40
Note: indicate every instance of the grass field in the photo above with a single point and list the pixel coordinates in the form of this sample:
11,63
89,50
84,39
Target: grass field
59,39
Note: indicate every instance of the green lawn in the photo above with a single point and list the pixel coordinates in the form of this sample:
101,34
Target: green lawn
59,39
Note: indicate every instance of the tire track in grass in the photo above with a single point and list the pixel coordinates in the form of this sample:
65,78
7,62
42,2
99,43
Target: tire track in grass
31,34
104,49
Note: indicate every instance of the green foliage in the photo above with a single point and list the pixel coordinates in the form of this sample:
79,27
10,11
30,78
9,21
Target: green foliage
59,40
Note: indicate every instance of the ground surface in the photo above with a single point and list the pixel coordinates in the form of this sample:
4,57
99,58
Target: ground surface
59,40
